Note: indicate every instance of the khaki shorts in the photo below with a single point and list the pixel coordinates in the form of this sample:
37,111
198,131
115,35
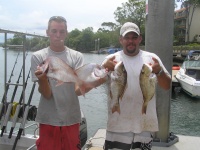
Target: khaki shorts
128,140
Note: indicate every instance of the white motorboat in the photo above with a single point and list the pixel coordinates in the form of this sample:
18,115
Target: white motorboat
189,74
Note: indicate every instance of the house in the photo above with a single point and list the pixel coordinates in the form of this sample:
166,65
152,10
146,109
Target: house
187,23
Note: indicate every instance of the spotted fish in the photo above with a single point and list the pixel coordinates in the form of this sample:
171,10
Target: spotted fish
147,85
118,85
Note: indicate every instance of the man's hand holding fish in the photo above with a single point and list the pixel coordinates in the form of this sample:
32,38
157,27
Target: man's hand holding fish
87,77
43,82
162,77
109,63
101,76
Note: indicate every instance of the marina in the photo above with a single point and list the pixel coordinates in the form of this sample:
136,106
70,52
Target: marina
93,106
184,118
177,111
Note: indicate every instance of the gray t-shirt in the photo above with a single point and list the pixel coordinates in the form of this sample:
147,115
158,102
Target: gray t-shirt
63,108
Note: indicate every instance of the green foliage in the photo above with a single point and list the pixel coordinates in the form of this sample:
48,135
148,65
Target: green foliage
192,46
108,34
133,11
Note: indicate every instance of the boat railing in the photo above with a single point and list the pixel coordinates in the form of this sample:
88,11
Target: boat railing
20,113
31,147
195,68
28,126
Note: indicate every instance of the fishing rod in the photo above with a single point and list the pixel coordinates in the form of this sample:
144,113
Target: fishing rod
7,116
2,106
15,117
24,119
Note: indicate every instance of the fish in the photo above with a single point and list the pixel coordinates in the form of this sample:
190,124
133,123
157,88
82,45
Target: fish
118,85
59,70
84,76
147,85
91,72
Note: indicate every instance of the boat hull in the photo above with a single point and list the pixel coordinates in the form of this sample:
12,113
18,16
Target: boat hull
189,85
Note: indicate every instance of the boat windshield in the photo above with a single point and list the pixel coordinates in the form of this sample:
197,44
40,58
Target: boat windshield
191,64
192,60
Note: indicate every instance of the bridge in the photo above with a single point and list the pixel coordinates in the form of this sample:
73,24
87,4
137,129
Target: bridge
22,33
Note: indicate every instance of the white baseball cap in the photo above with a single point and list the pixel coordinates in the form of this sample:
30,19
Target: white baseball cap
129,27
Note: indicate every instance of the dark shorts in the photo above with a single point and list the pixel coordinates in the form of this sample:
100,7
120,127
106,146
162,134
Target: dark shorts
58,138
123,146
127,141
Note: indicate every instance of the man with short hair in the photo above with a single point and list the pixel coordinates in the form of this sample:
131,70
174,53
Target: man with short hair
58,113
130,126
59,110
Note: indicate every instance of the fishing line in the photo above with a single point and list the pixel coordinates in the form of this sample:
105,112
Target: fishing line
3,105
9,109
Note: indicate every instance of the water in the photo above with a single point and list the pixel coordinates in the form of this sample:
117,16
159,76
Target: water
185,111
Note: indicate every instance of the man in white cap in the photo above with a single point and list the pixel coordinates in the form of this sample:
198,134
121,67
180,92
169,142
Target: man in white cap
132,126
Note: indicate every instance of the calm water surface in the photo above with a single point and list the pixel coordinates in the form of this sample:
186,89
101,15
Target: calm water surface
185,111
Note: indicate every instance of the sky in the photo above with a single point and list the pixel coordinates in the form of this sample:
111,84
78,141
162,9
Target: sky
32,15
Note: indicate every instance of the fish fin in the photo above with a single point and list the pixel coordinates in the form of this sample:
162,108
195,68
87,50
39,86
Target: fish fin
123,92
59,83
84,85
116,108
111,96
144,108
82,89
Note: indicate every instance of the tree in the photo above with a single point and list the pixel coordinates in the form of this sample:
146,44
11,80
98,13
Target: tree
191,6
72,38
133,11
109,25
81,40
17,39
109,31
86,39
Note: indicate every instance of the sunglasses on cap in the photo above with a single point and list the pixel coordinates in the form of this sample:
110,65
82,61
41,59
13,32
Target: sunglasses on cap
57,18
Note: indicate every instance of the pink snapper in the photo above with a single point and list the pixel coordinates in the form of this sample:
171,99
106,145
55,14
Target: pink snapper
59,70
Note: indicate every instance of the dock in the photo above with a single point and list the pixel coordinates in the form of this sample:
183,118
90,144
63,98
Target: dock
175,82
184,142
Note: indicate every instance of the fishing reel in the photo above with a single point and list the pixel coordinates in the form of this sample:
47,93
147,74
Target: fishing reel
31,113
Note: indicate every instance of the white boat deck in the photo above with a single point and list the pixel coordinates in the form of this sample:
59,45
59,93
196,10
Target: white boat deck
184,142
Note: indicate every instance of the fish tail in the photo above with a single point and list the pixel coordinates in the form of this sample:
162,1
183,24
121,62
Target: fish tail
144,108
84,86
82,89
59,82
116,108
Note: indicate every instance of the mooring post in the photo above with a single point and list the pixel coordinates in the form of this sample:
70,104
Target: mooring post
159,39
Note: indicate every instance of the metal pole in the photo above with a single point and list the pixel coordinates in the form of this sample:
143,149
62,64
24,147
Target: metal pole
5,68
95,44
159,39
98,43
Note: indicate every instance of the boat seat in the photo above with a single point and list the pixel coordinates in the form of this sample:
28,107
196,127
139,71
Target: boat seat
190,72
198,75
193,73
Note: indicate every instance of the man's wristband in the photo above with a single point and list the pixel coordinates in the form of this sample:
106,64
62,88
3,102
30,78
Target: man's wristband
160,72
